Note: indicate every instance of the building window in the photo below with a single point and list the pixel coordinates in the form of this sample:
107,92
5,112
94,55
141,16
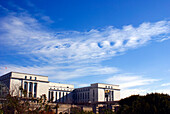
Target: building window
59,96
52,96
35,90
112,95
35,78
49,95
25,77
56,97
66,96
25,89
63,96
83,95
25,85
30,89
30,77
93,93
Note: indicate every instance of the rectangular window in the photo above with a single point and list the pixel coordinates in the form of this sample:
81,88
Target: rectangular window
63,97
93,93
25,77
112,95
25,85
35,78
25,89
83,95
66,96
59,96
88,95
56,97
35,90
52,96
30,89
30,77
49,95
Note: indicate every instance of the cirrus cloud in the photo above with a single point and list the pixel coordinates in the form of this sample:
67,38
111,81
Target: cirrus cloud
29,36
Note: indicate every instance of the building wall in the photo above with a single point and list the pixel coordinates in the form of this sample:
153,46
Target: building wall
117,95
101,95
60,92
56,92
98,92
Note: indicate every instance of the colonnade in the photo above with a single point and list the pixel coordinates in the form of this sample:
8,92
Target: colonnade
59,96
30,89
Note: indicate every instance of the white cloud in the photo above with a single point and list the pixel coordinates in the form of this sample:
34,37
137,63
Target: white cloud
62,72
142,91
128,80
166,84
29,36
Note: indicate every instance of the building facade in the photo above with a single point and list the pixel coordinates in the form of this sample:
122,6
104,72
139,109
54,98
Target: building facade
33,86
97,92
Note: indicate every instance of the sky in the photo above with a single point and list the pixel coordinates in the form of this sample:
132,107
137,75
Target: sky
122,42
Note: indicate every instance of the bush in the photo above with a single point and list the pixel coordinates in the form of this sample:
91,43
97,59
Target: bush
153,103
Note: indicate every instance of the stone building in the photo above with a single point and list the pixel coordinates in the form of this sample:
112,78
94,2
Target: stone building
36,85
97,92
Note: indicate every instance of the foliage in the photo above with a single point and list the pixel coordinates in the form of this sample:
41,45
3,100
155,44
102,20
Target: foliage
78,110
153,103
107,111
15,104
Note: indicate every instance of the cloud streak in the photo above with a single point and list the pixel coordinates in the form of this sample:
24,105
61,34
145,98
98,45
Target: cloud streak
129,80
29,36
62,72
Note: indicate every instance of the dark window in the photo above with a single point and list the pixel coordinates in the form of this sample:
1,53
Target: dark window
35,90
52,96
66,96
30,87
112,95
63,96
25,85
83,95
56,97
49,95
93,93
88,95
30,77
59,96
35,78
25,77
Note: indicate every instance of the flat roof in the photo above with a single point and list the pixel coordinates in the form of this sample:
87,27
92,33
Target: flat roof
106,84
26,73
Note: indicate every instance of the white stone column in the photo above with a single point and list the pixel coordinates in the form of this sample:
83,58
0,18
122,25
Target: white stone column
57,96
54,95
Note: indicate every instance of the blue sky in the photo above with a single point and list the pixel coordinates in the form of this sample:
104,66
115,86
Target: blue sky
124,42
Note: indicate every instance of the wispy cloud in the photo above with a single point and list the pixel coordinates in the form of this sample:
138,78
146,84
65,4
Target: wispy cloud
130,80
25,32
142,91
62,72
166,84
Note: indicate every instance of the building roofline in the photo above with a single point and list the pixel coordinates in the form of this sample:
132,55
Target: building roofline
105,84
26,73
83,87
